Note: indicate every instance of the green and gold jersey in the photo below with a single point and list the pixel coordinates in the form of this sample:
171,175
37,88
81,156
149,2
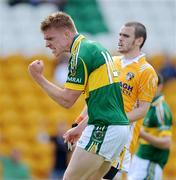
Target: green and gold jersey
92,71
157,122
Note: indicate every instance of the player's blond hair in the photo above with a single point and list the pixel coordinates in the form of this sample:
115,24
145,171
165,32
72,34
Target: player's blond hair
58,20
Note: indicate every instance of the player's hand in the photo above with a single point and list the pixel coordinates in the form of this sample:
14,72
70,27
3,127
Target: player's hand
36,68
72,135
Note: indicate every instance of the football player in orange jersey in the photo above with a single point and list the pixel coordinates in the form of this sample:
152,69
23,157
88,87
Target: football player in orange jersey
138,82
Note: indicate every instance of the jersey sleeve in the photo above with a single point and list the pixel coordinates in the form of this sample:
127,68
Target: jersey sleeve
148,84
165,130
77,75
164,117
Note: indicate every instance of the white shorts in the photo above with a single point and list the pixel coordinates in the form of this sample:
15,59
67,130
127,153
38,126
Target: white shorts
124,161
141,169
107,141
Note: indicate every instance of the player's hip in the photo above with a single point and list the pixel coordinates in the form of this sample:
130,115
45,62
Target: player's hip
107,141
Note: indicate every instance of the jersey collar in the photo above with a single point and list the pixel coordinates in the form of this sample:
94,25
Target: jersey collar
76,40
129,61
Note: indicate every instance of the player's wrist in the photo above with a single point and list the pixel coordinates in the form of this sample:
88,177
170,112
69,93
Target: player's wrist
79,119
74,125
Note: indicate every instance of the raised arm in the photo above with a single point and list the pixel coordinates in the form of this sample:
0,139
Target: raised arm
63,96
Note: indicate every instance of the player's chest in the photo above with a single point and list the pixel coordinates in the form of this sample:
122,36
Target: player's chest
129,80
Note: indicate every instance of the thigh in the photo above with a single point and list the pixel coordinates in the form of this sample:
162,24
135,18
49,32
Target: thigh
98,175
82,165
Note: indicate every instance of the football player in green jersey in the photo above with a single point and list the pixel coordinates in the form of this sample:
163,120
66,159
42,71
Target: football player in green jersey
92,72
155,140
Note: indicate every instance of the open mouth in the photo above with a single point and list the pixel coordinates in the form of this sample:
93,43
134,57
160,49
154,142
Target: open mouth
119,45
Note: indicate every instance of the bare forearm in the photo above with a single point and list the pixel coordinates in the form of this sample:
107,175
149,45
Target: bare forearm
82,116
158,142
82,125
138,112
56,93
63,96
84,111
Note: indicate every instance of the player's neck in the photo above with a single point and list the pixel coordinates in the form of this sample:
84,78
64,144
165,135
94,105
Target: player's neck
132,55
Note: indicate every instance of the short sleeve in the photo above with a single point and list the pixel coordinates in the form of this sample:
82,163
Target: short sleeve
165,130
77,76
165,120
147,85
165,133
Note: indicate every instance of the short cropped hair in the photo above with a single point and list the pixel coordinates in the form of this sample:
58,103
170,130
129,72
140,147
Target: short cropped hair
140,30
58,20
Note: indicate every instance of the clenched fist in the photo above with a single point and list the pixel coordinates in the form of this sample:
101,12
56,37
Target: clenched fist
36,68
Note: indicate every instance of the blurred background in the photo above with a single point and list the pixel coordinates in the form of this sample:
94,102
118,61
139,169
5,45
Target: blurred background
31,125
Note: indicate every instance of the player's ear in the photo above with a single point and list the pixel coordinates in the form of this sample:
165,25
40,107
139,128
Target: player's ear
139,41
67,34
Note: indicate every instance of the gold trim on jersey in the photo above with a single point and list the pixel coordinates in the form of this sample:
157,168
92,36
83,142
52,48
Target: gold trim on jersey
155,132
74,54
74,86
166,133
99,78
76,43
85,72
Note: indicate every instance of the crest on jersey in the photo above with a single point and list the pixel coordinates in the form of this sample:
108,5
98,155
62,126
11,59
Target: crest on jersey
129,76
98,135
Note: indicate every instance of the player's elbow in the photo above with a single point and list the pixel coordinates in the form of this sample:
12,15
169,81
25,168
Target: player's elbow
67,104
166,144
70,97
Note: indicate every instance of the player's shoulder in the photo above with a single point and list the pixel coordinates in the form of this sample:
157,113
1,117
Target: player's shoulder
117,59
91,45
145,66
86,50
157,101
92,49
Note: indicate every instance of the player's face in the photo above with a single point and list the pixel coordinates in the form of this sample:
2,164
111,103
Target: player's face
56,40
126,39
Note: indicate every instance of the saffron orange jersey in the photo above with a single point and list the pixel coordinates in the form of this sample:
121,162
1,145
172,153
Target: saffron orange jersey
138,81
